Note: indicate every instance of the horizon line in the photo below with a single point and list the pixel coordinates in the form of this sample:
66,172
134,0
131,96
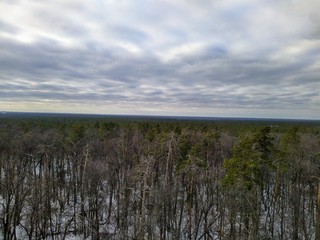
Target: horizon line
182,117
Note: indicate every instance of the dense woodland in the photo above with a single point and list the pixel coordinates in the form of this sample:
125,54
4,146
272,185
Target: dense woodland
81,178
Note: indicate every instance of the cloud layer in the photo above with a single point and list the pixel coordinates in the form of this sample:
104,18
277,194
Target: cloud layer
183,57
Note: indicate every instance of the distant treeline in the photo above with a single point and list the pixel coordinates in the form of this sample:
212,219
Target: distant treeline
120,178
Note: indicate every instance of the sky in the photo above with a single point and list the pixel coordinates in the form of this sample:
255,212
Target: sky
219,58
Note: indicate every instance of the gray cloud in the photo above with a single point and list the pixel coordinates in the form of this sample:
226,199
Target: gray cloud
178,57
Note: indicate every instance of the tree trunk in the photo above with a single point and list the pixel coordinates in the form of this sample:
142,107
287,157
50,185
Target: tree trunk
318,214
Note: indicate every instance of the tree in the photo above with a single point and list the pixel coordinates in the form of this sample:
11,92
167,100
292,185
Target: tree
246,173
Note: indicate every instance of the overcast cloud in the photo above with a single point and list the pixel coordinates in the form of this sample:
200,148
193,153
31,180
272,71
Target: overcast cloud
240,58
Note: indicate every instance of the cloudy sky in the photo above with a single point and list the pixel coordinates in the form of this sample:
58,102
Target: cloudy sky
234,58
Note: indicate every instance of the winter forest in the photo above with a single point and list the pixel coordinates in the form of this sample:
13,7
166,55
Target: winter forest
86,178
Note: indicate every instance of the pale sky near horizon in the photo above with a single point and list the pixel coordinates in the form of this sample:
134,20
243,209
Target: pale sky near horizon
220,58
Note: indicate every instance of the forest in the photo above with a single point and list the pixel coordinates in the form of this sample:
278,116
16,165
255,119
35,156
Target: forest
103,178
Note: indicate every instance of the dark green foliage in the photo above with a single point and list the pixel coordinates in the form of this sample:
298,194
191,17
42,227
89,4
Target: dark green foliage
251,159
77,132
291,139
